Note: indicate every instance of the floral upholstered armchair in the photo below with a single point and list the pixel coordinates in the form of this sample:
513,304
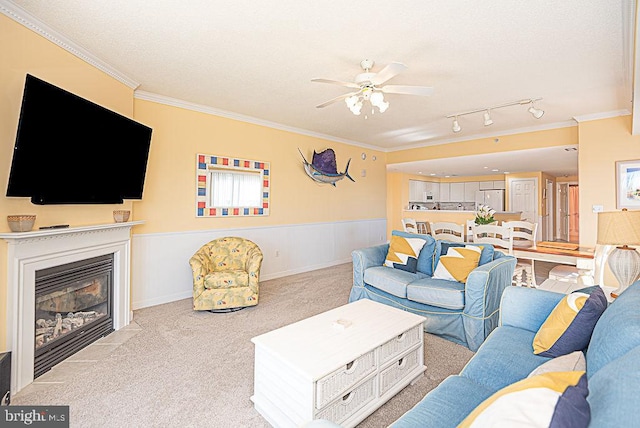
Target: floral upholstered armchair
226,273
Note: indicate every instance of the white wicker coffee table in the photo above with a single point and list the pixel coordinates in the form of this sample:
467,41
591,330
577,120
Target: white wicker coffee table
340,365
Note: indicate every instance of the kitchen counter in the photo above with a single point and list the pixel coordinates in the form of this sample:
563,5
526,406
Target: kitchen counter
456,216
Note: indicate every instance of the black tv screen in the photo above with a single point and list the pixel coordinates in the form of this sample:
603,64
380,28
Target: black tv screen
70,150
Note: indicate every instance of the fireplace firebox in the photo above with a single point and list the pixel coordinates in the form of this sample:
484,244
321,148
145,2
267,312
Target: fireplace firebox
73,308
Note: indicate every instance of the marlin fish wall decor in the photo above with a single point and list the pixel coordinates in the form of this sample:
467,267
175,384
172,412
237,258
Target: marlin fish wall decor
323,167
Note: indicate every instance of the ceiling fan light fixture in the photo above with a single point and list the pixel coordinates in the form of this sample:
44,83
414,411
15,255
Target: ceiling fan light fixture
351,101
355,109
487,118
377,100
456,125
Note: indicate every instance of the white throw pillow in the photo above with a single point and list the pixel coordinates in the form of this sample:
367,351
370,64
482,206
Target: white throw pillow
574,361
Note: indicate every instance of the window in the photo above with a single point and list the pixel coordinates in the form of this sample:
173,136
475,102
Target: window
234,189
228,186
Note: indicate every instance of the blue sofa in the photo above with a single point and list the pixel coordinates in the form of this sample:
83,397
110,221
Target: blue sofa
464,313
613,363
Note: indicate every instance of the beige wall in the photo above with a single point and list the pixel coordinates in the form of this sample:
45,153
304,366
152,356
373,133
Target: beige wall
168,202
602,143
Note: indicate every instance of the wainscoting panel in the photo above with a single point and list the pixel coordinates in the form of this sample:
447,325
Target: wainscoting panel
160,262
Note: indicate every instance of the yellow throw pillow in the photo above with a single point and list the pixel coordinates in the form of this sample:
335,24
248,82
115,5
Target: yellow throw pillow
403,253
458,263
569,326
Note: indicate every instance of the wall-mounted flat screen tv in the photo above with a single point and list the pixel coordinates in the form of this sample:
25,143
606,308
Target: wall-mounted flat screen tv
69,150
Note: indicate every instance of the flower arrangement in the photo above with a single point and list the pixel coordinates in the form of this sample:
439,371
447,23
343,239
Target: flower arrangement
484,215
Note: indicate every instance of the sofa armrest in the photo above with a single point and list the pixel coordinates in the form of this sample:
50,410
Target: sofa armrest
483,291
365,258
527,308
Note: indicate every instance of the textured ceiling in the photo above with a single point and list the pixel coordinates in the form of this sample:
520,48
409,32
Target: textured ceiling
257,59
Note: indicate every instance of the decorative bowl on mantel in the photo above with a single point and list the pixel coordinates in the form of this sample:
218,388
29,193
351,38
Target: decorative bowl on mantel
121,216
21,223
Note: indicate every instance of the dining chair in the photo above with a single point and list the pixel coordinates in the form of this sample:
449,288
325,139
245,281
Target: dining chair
409,225
447,230
501,238
524,236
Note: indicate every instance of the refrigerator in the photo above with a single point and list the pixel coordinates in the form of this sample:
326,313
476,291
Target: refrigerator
492,198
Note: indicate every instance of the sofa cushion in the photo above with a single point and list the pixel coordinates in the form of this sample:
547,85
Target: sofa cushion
442,247
393,281
403,253
617,331
457,263
437,292
504,358
445,406
557,399
426,259
570,324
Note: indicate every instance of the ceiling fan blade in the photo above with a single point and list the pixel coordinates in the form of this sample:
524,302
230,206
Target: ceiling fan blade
337,82
336,99
388,72
424,91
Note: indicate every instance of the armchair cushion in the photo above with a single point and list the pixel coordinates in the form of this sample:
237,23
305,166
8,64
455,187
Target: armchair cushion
226,279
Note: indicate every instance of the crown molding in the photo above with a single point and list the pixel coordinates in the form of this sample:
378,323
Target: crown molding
603,115
161,99
24,18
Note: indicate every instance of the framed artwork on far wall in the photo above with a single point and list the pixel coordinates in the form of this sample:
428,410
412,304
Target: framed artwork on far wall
628,184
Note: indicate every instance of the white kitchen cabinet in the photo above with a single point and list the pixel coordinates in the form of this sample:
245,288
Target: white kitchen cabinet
486,185
499,185
433,191
456,192
445,192
417,191
470,189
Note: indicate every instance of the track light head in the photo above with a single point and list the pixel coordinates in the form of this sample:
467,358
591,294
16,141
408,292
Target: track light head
456,126
537,113
487,118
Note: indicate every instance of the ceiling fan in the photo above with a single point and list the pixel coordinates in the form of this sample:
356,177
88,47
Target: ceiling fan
368,87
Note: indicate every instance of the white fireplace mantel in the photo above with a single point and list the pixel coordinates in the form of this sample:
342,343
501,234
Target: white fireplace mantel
29,252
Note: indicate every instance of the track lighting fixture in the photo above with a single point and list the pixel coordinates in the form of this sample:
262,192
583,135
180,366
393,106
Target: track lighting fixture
456,126
535,112
487,119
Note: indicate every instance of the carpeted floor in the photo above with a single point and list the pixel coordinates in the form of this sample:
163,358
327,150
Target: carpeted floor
177,367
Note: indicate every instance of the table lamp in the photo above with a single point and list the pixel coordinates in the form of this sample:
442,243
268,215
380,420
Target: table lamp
621,228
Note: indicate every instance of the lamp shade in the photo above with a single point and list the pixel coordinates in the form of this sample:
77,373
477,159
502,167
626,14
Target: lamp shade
619,228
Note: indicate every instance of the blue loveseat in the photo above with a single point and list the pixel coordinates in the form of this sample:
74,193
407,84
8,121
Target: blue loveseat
613,363
464,313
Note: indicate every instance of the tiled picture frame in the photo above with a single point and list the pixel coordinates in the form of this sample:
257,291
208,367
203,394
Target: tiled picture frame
205,162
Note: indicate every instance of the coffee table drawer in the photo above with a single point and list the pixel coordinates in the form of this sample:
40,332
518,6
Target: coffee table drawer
400,344
336,383
349,403
398,370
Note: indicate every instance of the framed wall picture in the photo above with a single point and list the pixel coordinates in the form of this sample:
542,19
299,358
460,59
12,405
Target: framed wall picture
628,184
